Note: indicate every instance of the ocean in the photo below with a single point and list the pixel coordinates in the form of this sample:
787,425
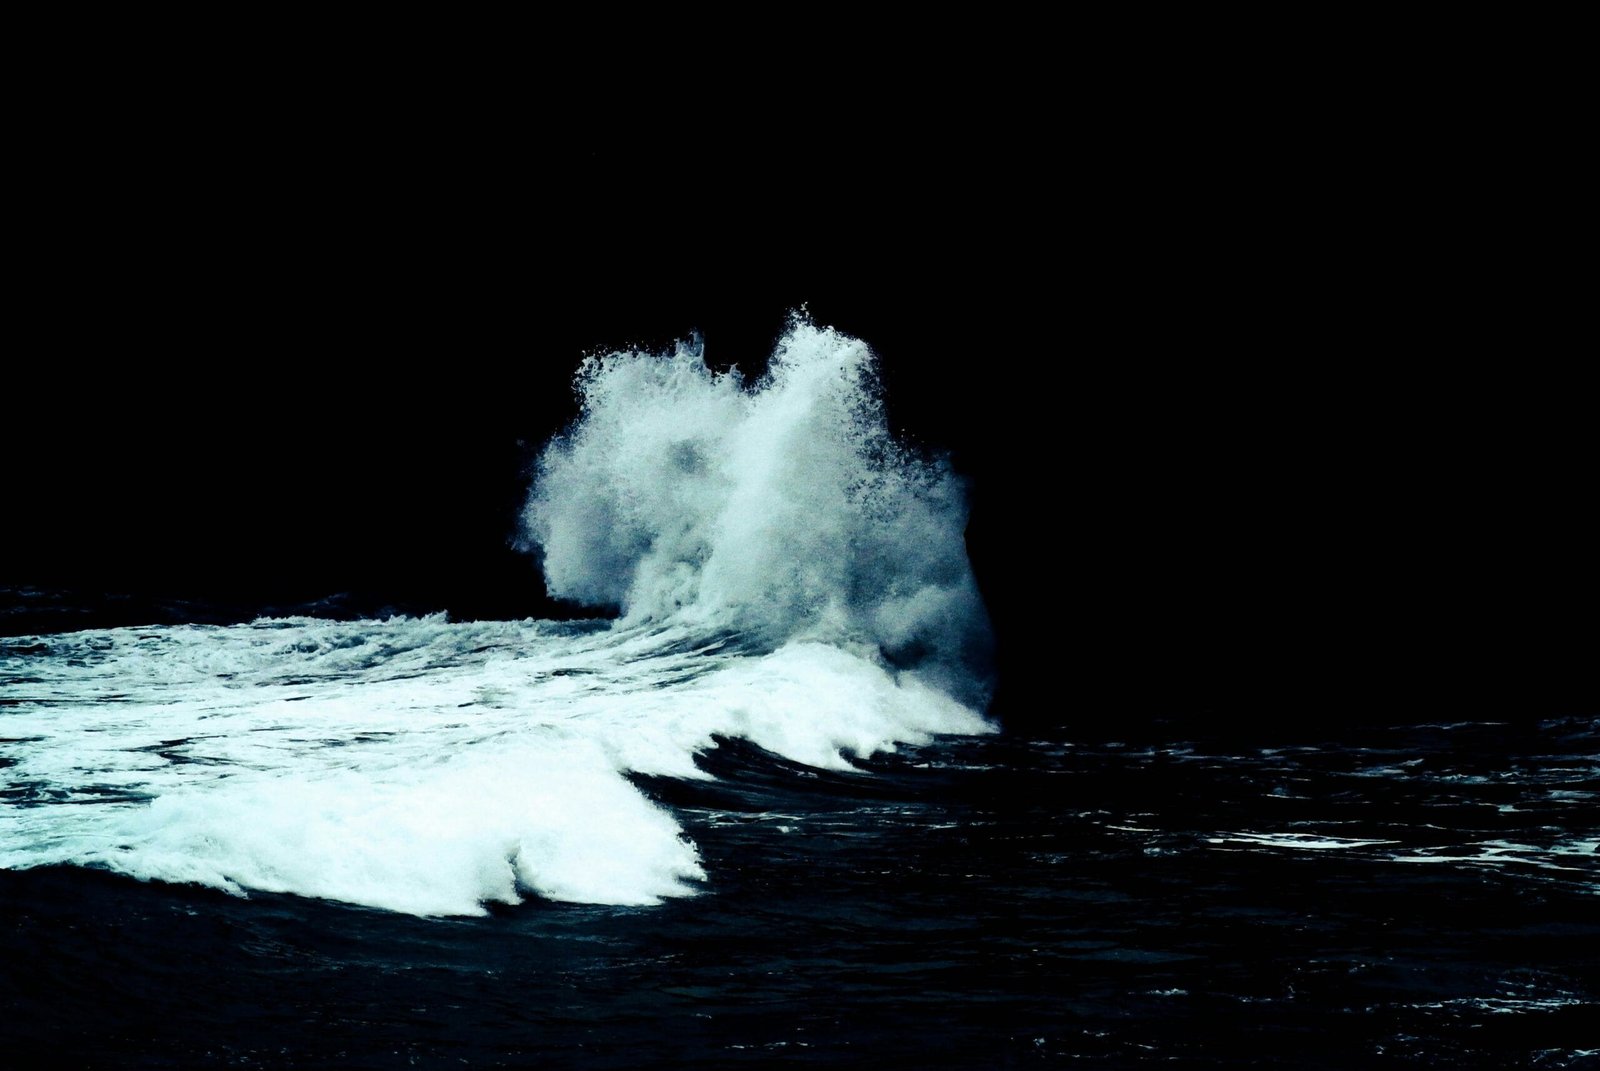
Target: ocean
757,812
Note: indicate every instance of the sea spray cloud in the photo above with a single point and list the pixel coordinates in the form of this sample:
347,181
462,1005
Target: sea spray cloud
780,507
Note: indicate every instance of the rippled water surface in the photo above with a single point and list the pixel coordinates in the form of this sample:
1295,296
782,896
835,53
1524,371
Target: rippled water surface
1424,895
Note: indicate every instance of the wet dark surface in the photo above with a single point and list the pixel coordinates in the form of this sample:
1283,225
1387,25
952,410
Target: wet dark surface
1409,896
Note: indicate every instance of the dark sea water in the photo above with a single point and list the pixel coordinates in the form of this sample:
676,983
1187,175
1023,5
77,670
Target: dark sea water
1420,895
775,810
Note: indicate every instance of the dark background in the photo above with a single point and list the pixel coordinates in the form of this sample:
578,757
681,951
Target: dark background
1236,449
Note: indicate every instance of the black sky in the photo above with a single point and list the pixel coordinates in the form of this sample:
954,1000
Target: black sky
1215,464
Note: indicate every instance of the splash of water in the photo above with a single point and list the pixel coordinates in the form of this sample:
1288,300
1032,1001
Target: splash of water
785,573
781,507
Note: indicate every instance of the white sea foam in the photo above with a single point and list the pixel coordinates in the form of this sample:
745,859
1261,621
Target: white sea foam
415,765
785,574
